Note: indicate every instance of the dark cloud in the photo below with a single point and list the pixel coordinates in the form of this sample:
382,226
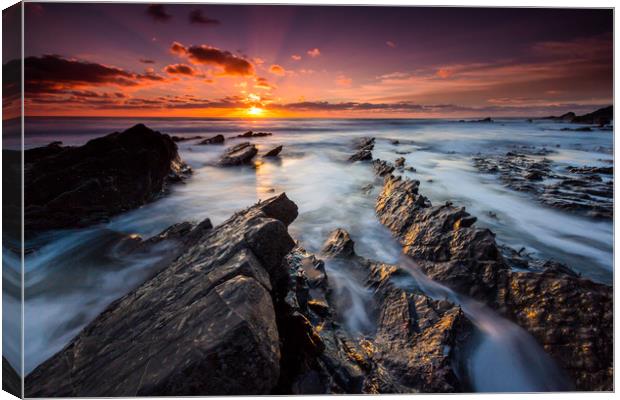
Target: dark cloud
208,55
158,13
196,17
146,61
181,69
53,73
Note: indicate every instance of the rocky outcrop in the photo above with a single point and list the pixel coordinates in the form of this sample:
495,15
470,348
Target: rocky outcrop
363,147
241,153
217,139
450,249
68,187
204,325
250,134
581,190
273,152
602,116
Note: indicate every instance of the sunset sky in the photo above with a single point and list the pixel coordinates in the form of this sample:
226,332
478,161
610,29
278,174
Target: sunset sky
283,61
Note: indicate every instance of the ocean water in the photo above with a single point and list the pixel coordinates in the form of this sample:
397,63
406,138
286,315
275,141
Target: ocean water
75,274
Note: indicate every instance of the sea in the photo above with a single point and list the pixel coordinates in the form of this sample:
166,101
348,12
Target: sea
74,274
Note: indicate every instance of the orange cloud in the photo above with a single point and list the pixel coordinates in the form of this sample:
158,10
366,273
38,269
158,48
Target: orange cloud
277,70
314,52
296,57
262,83
209,55
343,80
444,73
180,69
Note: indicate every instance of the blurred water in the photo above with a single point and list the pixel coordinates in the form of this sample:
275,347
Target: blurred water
73,275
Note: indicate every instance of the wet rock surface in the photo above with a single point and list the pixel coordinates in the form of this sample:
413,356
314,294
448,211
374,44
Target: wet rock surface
273,152
250,134
576,189
363,148
241,153
185,138
217,139
205,324
69,187
444,241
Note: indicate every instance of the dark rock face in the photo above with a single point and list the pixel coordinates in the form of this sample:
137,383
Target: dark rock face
602,116
217,139
273,152
448,247
204,325
363,147
11,381
250,134
68,187
581,190
238,154
339,244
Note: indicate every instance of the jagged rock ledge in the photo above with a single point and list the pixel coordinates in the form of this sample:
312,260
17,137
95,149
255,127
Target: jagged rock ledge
571,317
204,325
69,187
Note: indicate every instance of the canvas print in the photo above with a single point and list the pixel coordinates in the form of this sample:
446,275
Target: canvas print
291,199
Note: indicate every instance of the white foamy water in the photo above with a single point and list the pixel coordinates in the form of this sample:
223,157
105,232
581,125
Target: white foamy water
75,274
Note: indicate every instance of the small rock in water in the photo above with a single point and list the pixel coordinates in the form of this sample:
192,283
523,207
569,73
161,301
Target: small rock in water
217,139
273,152
250,134
238,154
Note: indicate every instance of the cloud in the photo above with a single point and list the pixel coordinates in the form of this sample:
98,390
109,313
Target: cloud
343,80
391,44
208,55
444,73
296,57
158,13
196,17
314,52
146,61
277,70
262,83
53,73
180,69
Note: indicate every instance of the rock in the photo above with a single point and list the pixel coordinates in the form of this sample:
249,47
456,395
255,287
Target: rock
250,134
400,162
273,152
11,381
564,117
364,147
445,243
217,139
382,168
524,171
69,187
602,116
185,138
241,153
204,325
484,120
395,142
339,244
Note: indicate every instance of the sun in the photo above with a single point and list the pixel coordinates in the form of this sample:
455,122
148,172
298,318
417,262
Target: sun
255,111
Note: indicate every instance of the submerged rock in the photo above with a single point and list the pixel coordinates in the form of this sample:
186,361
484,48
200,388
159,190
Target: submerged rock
204,325
241,153
217,139
273,152
444,241
250,134
525,171
69,187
